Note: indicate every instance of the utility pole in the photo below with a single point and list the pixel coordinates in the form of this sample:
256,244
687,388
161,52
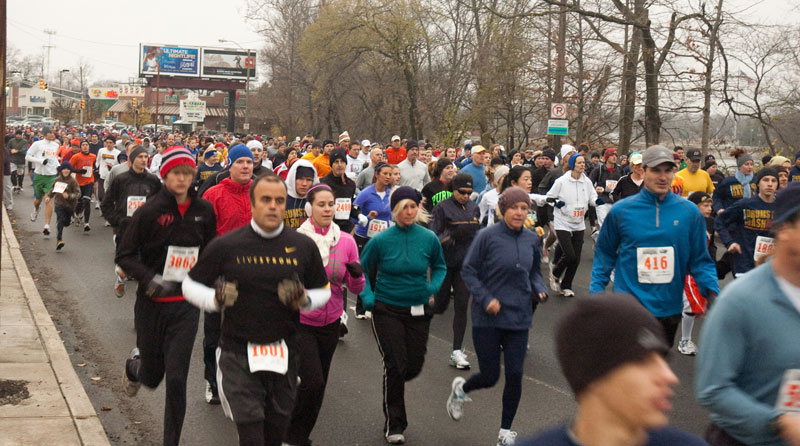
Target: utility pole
82,89
50,33
558,90
3,40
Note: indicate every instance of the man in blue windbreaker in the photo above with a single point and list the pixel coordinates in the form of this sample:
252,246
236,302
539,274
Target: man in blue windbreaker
652,240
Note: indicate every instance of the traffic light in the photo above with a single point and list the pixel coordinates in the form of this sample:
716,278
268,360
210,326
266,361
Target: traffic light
45,85
134,103
41,83
83,104
8,86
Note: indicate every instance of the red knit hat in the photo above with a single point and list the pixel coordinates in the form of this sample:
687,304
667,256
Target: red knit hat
608,153
175,156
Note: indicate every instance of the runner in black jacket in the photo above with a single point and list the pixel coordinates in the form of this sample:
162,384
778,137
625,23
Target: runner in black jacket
163,242
344,189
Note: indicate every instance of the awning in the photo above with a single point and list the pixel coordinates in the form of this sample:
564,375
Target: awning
121,106
215,112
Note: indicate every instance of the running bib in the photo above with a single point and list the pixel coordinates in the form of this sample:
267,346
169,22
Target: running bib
789,393
268,358
135,202
417,310
655,265
59,187
342,208
576,214
610,185
180,259
87,171
764,247
375,227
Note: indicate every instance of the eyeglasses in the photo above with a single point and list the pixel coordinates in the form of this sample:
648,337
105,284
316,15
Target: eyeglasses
464,191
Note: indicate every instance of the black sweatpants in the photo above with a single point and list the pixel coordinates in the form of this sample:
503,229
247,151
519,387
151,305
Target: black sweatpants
85,202
212,326
259,403
63,219
316,345
165,336
571,244
403,342
460,303
670,324
489,343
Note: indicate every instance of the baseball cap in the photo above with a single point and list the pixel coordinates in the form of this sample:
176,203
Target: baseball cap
395,138
366,143
636,158
694,155
478,149
657,154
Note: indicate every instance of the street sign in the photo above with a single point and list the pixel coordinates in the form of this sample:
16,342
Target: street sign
557,127
192,110
558,110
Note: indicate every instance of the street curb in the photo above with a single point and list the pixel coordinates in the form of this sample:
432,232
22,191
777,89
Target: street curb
87,423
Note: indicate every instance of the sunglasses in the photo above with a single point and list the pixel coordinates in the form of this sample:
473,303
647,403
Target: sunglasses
464,191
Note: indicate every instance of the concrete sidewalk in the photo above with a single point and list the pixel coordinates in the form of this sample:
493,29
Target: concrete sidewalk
42,401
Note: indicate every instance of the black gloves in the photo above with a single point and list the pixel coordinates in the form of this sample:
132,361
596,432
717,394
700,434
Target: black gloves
354,269
158,287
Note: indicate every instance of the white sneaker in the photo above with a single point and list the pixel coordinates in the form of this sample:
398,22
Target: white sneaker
568,292
34,214
211,396
396,439
506,438
554,286
458,359
687,347
457,398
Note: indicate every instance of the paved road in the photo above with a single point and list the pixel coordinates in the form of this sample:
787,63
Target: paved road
97,328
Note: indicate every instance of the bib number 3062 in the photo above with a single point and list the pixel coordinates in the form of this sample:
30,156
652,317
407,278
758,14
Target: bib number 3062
655,265
180,259
268,357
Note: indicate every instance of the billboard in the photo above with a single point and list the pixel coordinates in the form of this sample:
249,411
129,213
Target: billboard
172,60
228,63
193,110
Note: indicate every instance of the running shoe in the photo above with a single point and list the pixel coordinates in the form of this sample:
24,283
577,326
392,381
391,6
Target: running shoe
119,287
77,220
554,287
458,359
568,292
59,245
130,386
212,396
457,398
97,205
34,214
396,439
687,347
343,325
506,438
46,230
86,228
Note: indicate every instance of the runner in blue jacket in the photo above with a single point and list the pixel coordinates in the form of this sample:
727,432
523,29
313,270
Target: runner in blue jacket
652,240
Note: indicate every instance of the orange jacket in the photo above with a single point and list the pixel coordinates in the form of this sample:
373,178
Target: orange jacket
323,165
83,165
395,156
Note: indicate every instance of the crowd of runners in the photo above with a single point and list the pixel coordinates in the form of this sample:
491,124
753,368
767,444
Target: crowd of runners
263,239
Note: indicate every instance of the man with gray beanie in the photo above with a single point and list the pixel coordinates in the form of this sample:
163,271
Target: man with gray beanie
611,351
747,369
651,241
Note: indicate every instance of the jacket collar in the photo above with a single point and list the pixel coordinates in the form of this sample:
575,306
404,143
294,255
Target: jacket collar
649,196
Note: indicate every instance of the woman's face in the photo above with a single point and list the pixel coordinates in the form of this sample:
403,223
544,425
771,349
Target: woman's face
322,208
395,176
747,168
580,165
385,176
525,181
291,156
517,159
515,215
783,179
408,214
448,173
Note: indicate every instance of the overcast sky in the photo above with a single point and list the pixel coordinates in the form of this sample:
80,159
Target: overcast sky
107,33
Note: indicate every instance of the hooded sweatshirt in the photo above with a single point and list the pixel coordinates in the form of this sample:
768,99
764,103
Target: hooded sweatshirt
295,205
578,195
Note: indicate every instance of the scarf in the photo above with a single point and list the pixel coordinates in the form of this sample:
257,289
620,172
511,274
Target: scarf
324,241
745,181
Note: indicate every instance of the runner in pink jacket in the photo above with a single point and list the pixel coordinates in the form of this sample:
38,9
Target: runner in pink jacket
319,330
